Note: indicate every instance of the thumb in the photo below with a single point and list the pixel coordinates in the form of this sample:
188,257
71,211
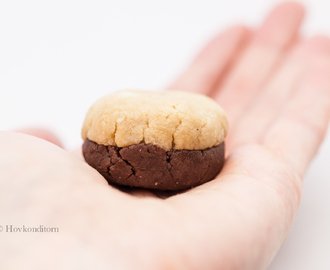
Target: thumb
42,133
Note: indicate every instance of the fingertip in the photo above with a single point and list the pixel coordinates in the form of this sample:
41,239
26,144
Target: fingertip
233,35
239,29
281,25
42,133
240,32
289,8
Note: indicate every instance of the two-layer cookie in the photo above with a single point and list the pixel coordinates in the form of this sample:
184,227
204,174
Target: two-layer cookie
158,140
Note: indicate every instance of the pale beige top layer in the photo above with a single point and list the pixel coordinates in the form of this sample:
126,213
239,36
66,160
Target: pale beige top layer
169,119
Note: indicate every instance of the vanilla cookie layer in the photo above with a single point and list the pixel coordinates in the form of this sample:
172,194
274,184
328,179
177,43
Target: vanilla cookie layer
168,119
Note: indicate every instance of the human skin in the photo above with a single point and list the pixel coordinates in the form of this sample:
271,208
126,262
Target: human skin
275,88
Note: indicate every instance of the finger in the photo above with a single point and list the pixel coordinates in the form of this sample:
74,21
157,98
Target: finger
251,127
42,133
259,59
209,66
299,131
39,156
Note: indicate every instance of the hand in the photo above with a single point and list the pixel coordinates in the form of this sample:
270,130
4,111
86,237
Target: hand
275,87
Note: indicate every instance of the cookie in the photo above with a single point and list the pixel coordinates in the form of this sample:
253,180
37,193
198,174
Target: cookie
158,140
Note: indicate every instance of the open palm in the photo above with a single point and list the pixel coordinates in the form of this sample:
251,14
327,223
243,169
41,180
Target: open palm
275,87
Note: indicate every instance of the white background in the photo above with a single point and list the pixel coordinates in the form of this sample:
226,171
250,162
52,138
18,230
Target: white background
58,57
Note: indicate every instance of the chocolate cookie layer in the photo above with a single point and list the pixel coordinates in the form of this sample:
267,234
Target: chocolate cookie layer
149,166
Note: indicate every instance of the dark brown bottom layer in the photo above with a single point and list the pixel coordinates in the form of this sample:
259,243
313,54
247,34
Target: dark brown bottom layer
149,166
